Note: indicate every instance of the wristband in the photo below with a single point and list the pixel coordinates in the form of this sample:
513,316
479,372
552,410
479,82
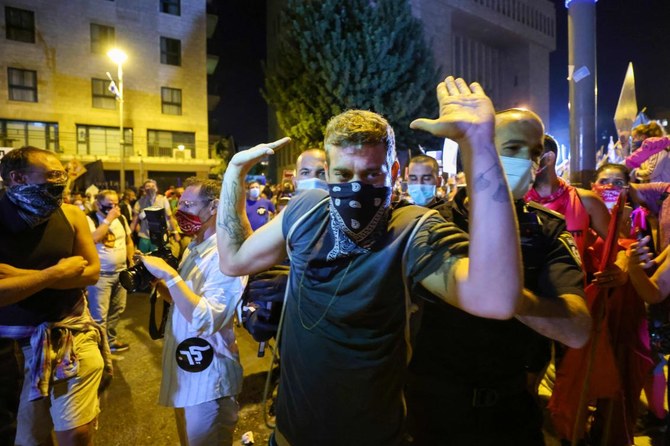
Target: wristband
107,222
175,280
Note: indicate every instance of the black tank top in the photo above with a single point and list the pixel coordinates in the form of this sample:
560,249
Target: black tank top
38,248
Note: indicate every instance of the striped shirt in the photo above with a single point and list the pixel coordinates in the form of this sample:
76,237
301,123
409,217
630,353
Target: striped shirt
212,320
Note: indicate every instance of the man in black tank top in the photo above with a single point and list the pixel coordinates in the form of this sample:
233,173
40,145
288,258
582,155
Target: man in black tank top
47,257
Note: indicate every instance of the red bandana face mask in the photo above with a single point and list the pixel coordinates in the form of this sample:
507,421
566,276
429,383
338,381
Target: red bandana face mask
188,223
609,193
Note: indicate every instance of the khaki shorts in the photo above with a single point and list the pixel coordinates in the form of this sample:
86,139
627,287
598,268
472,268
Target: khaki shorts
71,403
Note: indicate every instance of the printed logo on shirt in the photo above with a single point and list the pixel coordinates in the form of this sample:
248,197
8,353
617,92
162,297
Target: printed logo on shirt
194,355
569,243
110,240
261,211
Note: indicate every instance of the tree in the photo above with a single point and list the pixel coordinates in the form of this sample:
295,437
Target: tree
335,55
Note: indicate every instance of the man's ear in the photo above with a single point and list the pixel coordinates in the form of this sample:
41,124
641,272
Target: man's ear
395,169
17,177
549,158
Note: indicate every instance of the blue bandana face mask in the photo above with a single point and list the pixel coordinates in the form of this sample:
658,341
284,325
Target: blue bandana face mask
358,214
36,202
421,193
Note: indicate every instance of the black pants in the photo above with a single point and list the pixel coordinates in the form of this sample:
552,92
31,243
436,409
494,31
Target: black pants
11,381
449,418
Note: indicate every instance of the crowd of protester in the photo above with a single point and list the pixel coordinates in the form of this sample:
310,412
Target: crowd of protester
491,307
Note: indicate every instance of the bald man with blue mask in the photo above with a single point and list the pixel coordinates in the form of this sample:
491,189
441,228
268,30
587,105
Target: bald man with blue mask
310,170
423,180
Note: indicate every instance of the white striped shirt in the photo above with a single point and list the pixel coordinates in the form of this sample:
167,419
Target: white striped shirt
212,320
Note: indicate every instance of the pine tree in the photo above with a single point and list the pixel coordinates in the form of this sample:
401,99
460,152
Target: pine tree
336,55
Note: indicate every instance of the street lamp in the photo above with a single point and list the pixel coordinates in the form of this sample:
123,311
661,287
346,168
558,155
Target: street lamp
119,57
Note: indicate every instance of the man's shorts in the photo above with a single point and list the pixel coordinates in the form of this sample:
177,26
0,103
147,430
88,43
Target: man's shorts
71,403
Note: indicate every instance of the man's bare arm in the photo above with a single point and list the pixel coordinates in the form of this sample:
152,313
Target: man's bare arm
17,284
242,252
84,247
488,284
564,319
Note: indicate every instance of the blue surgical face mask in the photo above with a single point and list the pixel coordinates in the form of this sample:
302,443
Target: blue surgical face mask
519,173
421,193
311,183
254,193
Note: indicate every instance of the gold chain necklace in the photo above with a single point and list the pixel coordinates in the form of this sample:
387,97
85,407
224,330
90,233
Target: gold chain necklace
332,299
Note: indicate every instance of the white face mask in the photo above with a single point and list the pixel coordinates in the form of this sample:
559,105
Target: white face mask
311,183
421,193
519,173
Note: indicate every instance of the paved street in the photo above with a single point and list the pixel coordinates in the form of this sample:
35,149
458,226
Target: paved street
130,414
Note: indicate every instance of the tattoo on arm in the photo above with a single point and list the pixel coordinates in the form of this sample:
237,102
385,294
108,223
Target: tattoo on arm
501,194
229,219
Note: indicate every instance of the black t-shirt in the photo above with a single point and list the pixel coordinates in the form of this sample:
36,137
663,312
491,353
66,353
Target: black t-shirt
343,344
464,351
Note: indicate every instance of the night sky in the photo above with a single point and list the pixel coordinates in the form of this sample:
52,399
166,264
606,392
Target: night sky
635,31
627,30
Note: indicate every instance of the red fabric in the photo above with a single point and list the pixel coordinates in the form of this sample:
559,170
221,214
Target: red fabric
614,363
566,201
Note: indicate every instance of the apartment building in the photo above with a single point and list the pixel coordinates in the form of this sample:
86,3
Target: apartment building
56,93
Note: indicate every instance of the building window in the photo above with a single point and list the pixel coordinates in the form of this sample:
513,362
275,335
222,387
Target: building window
102,97
171,7
170,144
22,85
97,140
171,101
102,38
28,133
170,51
20,24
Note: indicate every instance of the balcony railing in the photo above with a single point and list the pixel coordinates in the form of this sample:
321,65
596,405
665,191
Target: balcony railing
522,12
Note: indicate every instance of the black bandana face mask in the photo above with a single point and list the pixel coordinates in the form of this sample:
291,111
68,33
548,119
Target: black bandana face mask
359,211
36,202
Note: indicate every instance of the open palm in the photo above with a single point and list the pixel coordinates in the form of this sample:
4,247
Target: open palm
464,111
246,159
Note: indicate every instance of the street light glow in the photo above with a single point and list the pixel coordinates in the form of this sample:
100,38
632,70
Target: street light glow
117,55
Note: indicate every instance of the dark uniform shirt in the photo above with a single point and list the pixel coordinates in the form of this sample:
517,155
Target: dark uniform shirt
468,374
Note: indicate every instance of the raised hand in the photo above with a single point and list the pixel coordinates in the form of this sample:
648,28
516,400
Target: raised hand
465,111
113,213
246,159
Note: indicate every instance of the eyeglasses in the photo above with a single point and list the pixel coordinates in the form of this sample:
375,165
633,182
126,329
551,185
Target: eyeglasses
189,204
54,176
